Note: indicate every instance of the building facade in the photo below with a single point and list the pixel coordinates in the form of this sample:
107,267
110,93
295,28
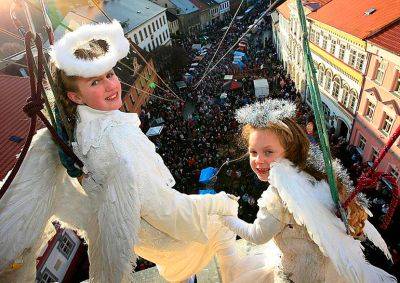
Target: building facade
280,32
224,8
378,115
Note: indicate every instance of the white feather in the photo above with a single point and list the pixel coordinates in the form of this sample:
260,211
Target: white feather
373,235
303,200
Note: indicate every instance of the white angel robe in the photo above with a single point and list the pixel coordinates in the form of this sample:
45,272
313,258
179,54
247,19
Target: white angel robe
127,206
298,214
133,204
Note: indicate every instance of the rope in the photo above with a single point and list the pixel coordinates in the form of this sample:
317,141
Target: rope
270,8
140,55
223,37
149,93
319,115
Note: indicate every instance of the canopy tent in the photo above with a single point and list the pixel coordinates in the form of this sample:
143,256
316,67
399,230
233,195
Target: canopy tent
231,85
261,88
154,131
194,64
181,84
248,10
157,122
207,192
239,18
196,46
206,175
224,28
224,95
228,77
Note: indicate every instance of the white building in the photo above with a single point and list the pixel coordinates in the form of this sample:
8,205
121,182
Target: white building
224,8
55,262
280,30
143,21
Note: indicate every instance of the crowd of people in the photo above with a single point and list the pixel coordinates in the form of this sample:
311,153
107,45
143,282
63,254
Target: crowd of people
202,131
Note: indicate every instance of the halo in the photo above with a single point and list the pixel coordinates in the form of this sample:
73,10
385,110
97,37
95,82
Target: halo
62,52
260,114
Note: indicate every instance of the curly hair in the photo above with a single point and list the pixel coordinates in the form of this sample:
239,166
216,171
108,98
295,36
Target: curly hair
296,144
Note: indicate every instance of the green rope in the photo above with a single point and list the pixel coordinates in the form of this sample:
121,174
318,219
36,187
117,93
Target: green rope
319,114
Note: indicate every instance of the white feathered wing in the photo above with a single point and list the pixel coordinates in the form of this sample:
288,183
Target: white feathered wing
312,206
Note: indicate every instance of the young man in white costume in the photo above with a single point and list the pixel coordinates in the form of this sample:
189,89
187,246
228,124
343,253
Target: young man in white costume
126,205
297,210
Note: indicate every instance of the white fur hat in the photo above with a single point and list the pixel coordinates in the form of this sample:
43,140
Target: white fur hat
62,52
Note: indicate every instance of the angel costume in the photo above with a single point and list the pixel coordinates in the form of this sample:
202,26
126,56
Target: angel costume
298,214
126,205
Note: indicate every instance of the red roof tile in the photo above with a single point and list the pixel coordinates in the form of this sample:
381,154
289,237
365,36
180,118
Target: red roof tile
13,94
284,10
388,38
349,16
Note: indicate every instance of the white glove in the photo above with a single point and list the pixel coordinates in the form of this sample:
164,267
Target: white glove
221,203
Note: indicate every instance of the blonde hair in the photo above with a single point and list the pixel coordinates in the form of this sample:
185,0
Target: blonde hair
296,144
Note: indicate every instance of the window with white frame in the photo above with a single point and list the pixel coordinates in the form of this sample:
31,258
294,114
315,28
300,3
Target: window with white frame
47,277
393,172
135,38
328,81
369,111
360,61
336,87
312,35
317,38
333,47
387,124
342,49
324,42
66,245
396,87
380,72
140,35
345,95
353,101
361,143
320,75
352,57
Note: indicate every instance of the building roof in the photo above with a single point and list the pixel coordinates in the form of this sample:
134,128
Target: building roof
200,4
314,5
388,38
284,10
14,122
185,6
131,13
221,1
351,16
171,17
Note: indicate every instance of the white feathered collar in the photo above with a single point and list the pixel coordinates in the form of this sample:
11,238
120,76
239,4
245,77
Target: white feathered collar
311,205
92,123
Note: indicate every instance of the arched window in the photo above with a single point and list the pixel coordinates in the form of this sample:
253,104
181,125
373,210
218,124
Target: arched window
345,95
328,81
321,74
336,87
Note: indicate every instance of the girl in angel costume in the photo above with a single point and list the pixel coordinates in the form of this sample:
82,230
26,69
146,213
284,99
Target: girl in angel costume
297,210
126,205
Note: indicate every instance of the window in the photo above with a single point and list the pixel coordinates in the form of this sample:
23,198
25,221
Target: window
352,57
149,28
342,49
159,37
317,37
380,72
333,47
312,35
158,27
152,44
369,112
57,265
66,245
328,81
393,172
158,43
145,32
345,95
320,75
374,154
141,35
360,61
353,101
324,42
397,83
361,143
387,124
148,47
336,87
47,277
154,27
135,38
